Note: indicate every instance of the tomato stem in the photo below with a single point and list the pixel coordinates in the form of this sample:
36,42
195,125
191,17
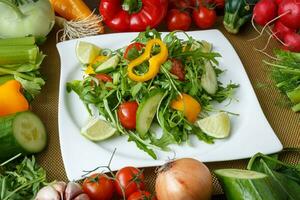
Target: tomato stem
132,6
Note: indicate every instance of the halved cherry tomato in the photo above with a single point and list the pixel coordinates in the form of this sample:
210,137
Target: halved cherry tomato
142,195
130,179
204,17
132,51
127,114
103,77
177,69
98,187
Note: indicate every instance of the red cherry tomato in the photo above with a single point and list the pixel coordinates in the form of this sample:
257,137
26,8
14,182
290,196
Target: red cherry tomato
130,179
204,17
141,195
103,77
178,20
127,114
98,187
177,69
136,46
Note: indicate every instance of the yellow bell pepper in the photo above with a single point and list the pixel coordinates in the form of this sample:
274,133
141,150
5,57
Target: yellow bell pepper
11,98
188,105
154,61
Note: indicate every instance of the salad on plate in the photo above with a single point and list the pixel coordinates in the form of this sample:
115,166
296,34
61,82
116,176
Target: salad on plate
154,82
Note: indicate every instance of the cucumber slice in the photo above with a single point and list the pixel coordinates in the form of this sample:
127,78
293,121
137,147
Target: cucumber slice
209,79
23,132
108,65
241,184
146,111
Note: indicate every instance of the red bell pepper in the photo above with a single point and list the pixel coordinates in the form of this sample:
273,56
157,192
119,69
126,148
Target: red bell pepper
132,15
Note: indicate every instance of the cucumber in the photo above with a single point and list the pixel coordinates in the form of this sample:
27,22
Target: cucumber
209,79
146,111
23,133
108,65
241,184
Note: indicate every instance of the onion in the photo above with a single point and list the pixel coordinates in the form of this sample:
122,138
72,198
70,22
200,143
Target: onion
184,179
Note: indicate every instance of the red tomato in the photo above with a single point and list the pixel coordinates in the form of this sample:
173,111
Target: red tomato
98,187
136,45
141,195
204,17
130,179
127,114
103,77
177,69
178,20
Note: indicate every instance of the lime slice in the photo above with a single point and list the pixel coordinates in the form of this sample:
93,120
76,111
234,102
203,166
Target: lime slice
217,125
86,52
97,130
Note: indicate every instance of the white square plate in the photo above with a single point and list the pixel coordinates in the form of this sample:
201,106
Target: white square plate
251,132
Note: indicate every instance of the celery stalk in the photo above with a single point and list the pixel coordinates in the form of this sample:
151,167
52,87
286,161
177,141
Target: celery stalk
296,108
22,41
18,55
294,95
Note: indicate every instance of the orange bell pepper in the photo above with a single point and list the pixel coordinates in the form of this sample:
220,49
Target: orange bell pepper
188,105
11,98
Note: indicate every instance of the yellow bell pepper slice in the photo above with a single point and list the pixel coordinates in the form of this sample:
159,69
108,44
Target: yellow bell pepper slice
188,105
154,61
11,98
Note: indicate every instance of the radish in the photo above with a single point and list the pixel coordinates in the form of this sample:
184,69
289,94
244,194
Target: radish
292,41
289,10
264,11
280,30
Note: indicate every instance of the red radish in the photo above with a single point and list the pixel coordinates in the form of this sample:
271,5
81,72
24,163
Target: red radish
290,11
264,11
280,30
292,41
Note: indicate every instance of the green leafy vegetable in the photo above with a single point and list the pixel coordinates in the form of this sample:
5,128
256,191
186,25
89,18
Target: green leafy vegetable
20,181
107,96
286,74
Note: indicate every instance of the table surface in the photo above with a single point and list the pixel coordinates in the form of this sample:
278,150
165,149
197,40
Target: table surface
284,122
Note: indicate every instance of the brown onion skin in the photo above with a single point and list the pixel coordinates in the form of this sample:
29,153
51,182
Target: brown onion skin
184,179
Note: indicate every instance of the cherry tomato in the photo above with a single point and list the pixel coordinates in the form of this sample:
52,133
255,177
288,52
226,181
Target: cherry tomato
98,187
127,114
103,77
133,49
141,195
178,20
130,179
204,17
177,69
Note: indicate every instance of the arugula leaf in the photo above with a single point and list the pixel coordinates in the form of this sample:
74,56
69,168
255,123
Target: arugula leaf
141,145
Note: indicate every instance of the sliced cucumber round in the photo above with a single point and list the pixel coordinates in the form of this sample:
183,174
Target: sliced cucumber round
146,111
23,132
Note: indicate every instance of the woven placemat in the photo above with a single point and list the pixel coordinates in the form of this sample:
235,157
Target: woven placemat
285,123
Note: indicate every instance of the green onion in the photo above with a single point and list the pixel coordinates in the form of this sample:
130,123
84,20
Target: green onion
18,55
22,41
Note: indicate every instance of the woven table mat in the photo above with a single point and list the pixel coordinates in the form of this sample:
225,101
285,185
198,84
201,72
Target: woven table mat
285,123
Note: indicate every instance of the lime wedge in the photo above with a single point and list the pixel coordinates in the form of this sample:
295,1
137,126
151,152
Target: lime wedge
86,52
97,130
217,125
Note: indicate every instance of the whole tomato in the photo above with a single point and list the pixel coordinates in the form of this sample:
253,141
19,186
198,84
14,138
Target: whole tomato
127,114
204,17
177,69
130,179
141,195
98,187
178,20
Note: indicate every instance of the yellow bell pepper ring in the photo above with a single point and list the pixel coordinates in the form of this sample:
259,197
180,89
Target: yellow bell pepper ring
154,61
188,105
11,98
